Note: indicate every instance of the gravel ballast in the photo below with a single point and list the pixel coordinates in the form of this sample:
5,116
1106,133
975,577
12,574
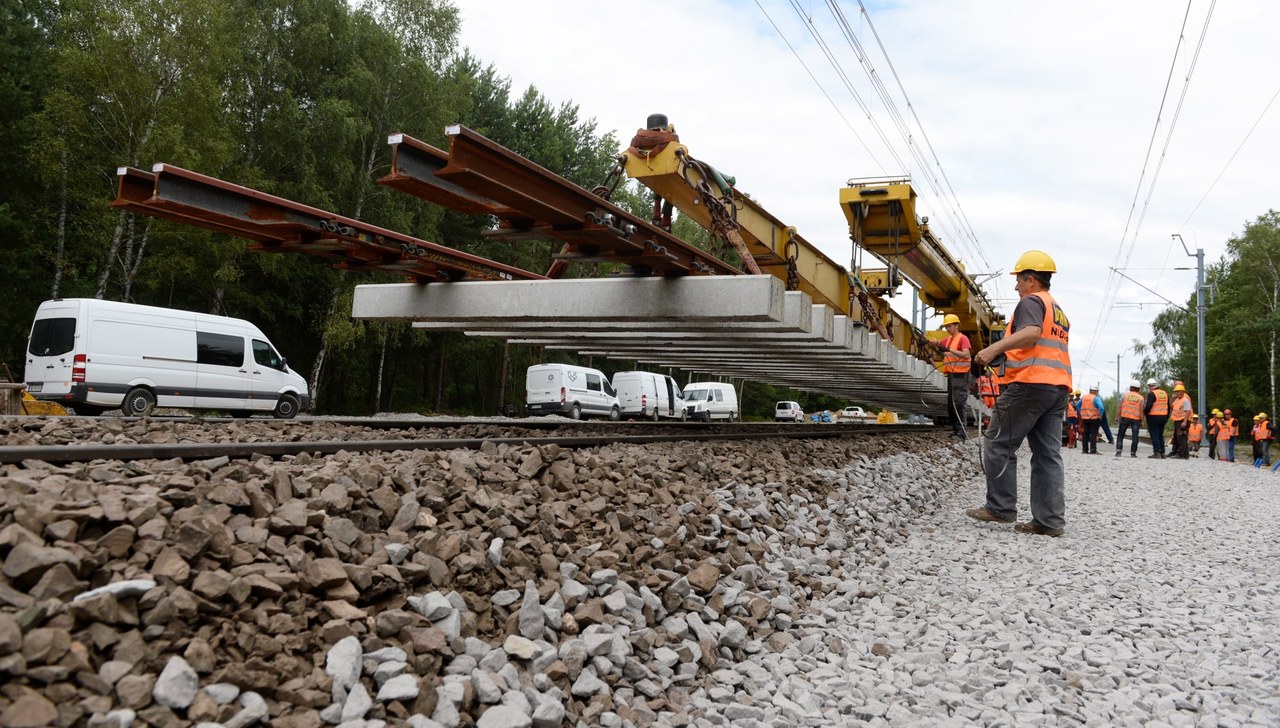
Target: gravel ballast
761,583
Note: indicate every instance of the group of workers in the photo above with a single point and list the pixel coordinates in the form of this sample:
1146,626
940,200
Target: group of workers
1086,414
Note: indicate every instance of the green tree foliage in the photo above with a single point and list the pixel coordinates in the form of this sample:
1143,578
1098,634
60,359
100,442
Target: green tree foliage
1242,326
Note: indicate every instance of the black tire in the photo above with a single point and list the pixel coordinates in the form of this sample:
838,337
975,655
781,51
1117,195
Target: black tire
241,414
138,402
655,413
87,410
615,414
286,407
575,412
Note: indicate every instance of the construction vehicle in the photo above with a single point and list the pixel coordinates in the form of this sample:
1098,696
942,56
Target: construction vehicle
882,222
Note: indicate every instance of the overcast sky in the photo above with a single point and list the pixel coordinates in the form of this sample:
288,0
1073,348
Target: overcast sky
1040,114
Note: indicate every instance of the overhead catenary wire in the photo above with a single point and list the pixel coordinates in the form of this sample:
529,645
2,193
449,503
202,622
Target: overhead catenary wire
1127,243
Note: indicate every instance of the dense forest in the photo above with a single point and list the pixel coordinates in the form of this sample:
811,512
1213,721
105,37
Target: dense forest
291,97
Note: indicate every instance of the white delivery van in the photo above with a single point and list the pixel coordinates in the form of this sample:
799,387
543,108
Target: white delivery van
647,394
94,355
788,411
567,389
711,401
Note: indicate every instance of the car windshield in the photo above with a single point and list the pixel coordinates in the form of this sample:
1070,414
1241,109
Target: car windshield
695,395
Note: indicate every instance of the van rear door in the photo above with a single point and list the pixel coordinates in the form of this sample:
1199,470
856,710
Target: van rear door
51,349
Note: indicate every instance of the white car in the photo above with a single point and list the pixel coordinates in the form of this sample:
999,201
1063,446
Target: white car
788,411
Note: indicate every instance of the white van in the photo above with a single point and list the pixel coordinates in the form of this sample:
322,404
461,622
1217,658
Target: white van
711,401
566,389
646,394
95,355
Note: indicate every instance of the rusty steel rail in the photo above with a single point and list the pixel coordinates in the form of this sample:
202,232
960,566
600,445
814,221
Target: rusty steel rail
201,451
277,225
479,176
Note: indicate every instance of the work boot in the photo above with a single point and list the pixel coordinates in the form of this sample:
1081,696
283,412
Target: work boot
1154,456
1117,453
1037,528
1133,454
982,514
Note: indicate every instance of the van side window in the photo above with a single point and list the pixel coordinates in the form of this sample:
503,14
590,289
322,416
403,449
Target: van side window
52,336
608,389
719,395
219,349
593,382
266,356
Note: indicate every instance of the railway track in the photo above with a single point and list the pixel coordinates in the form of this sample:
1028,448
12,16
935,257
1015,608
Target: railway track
570,434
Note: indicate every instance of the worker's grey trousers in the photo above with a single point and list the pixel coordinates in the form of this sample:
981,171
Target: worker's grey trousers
958,401
1032,412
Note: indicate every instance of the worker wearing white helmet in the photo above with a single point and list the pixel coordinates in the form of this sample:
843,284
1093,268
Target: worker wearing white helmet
1037,383
956,353
1156,409
1131,403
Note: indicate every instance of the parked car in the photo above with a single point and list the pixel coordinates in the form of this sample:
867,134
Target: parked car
93,355
854,414
570,390
711,401
649,395
788,411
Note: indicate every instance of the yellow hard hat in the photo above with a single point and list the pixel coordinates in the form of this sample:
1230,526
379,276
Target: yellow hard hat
1195,416
1262,415
1034,260
949,319
1257,417
1179,388
1075,392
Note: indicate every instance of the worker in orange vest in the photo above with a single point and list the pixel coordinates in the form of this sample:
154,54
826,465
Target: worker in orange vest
1073,418
1195,434
1130,418
1037,383
1227,437
1157,411
988,390
1262,436
1180,416
1215,424
956,352
1092,412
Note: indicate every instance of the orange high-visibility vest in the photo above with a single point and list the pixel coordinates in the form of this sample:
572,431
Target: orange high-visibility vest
1131,406
1264,430
1161,405
1047,361
1089,408
954,363
1196,432
1226,429
1180,413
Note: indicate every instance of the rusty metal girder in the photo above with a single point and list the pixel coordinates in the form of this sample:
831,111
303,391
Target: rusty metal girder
277,225
479,176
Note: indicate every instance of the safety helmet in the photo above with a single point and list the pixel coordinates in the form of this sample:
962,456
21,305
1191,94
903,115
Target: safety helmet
1075,392
1034,260
1262,415
1151,382
1093,388
949,319
1257,417
1134,384
1195,416
1179,388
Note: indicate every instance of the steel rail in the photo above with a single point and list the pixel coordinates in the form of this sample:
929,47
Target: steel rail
278,225
195,451
479,176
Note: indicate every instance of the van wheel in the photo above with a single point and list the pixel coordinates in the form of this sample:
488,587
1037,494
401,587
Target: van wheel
286,407
139,402
615,414
575,412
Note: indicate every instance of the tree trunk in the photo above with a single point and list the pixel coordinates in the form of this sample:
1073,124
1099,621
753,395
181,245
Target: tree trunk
116,238
313,384
502,378
60,246
130,273
440,377
382,362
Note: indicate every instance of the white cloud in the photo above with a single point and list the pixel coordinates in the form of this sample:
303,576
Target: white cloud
1040,113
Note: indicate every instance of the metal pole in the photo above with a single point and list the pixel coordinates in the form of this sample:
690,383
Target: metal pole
1117,390
1200,311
